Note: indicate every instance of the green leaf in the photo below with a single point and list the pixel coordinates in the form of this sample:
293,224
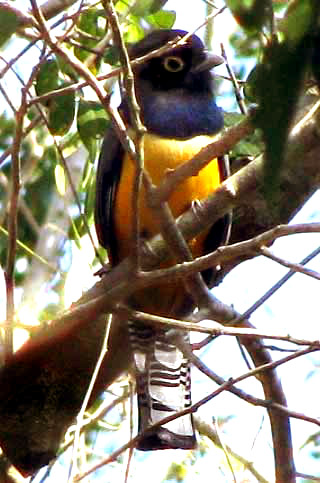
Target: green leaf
92,123
243,44
60,179
162,19
133,31
315,61
9,23
141,8
111,55
89,25
298,21
177,472
90,199
251,90
232,118
87,175
250,146
251,14
75,230
157,5
61,113
47,79
277,86
66,69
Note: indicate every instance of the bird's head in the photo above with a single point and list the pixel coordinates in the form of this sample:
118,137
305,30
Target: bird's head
174,87
186,66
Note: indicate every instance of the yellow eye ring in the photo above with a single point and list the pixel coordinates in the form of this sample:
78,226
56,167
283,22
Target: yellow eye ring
173,63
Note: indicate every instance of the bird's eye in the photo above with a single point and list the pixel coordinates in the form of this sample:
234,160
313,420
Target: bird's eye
173,63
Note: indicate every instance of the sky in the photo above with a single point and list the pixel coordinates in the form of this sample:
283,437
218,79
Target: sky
293,308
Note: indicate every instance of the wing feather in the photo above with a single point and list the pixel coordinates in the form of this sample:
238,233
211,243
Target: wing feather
108,175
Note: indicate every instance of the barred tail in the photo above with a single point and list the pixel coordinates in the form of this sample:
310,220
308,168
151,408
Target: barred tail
163,388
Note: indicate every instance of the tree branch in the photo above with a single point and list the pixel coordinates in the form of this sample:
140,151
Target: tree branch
81,329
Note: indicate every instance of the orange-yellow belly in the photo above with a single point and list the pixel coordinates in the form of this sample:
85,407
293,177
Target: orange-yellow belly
161,155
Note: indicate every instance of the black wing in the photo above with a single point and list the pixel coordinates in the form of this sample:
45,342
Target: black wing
219,233
108,174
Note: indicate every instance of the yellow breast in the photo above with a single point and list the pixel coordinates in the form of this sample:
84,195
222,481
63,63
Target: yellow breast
161,155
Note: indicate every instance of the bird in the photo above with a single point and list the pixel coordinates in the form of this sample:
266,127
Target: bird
44,383
175,95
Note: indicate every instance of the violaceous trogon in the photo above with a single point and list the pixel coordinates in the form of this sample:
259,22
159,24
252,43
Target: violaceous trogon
178,108
43,385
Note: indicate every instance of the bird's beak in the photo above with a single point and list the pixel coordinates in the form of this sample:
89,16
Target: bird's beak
210,61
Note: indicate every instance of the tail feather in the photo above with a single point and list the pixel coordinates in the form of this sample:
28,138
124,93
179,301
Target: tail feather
163,388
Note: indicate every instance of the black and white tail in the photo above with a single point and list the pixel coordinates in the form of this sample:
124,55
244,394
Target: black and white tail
163,388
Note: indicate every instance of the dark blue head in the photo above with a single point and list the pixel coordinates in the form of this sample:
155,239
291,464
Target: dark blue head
175,90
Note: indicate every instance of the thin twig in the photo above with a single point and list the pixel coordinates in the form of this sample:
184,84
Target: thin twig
34,123
80,417
75,196
12,226
55,269
187,352
228,253
307,477
278,285
234,80
208,431
225,450
295,267
217,329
